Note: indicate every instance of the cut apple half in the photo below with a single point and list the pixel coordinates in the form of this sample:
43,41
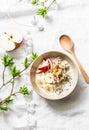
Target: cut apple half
10,39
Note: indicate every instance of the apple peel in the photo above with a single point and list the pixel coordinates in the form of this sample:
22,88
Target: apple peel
47,64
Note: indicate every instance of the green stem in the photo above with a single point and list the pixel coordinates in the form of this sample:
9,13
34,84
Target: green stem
12,87
11,94
9,81
50,4
3,77
3,74
14,77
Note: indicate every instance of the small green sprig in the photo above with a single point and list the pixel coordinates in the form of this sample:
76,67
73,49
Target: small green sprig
43,12
14,72
3,107
35,2
7,61
26,62
24,90
34,56
8,99
42,3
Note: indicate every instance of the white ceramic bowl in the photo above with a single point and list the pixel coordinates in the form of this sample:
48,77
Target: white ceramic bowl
35,65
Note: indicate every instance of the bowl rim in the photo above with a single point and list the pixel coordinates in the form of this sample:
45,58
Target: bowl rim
61,54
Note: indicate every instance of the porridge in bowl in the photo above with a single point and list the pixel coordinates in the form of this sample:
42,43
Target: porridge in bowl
54,75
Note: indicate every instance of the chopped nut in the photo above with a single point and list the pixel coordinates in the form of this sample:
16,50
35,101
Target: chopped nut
57,71
66,66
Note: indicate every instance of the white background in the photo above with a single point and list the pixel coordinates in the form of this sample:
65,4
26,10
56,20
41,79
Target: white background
67,17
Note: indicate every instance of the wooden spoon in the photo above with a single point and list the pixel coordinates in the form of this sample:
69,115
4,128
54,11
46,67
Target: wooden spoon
67,43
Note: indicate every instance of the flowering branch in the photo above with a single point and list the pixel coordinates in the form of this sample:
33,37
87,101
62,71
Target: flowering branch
43,10
7,61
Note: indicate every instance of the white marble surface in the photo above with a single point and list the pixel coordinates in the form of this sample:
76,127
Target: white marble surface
35,113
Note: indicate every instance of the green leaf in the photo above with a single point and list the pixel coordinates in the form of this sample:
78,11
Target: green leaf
24,90
26,63
3,107
43,12
7,61
42,3
55,1
34,56
35,2
8,100
14,72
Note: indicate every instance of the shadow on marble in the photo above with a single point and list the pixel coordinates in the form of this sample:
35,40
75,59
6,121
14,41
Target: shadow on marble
49,19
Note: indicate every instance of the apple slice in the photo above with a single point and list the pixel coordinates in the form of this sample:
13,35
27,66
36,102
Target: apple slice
50,63
10,40
45,66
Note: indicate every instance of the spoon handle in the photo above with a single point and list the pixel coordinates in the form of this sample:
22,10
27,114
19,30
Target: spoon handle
86,77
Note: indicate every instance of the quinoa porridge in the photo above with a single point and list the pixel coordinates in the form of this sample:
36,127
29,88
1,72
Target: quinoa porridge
54,75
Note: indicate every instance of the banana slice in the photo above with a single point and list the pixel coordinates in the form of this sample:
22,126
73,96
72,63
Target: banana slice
48,88
40,82
49,78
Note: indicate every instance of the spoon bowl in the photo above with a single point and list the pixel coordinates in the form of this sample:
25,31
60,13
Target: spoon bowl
66,43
